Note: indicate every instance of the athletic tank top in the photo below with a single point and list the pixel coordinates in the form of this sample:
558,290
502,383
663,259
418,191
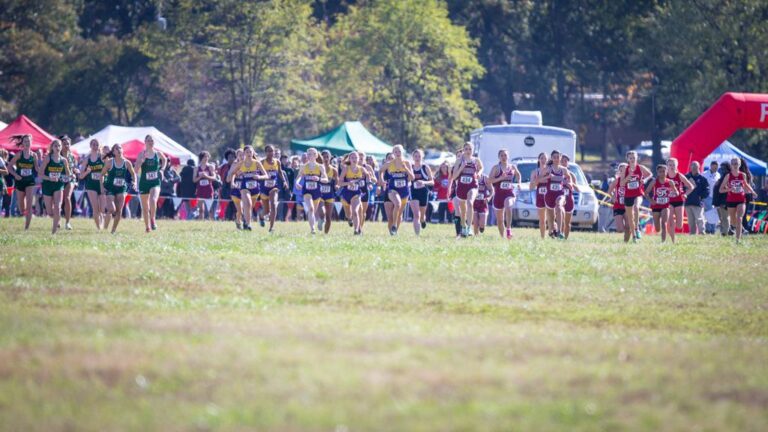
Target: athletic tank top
419,174
556,180
116,175
25,167
398,177
150,168
468,173
311,177
96,168
272,170
633,188
505,185
355,180
736,191
55,170
618,203
676,182
662,192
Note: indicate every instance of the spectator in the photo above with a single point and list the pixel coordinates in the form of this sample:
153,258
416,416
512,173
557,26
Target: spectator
168,190
289,174
443,191
229,158
8,204
712,175
744,167
3,174
204,178
694,202
718,201
186,188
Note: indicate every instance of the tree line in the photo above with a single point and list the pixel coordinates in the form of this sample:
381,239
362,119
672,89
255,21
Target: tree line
422,73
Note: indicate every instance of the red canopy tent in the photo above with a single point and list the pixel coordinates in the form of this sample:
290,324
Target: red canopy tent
132,148
23,125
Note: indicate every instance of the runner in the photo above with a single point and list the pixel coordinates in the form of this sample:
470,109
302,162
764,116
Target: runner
308,181
368,196
677,203
270,188
115,171
570,187
660,191
327,193
465,172
617,196
71,184
480,204
420,188
504,178
235,182
399,175
54,172
736,185
353,182
633,178
249,170
23,168
90,170
383,188
205,175
151,164
554,197
538,187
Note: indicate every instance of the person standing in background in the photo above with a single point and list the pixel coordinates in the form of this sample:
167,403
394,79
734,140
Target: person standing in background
710,213
168,191
718,201
289,174
694,202
187,186
225,190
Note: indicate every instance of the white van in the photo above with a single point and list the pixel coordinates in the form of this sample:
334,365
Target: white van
524,139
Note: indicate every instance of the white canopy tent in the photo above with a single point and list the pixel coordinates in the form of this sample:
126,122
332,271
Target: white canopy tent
3,125
121,134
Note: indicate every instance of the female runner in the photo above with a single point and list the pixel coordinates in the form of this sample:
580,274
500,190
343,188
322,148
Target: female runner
54,171
91,168
269,188
660,191
480,205
308,182
399,175
71,183
327,193
617,196
569,187
368,196
115,172
422,181
383,182
353,182
235,181
23,168
632,179
538,186
204,177
465,172
250,170
677,203
151,164
504,178
736,185
554,198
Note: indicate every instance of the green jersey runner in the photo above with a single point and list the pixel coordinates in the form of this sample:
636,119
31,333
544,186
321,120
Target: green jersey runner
150,174
25,167
93,181
115,183
55,172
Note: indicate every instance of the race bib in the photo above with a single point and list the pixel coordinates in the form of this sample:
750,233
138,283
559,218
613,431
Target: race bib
310,185
269,183
119,182
353,187
542,190
96,176
54,176
325,189
26,172
418,185
557,187
251,184
621,200
737,189
506,185
204,182
634,184
465,179
152,175
565,192
662,200
400,183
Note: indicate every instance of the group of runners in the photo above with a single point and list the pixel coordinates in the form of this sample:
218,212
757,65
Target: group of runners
399,183
666,192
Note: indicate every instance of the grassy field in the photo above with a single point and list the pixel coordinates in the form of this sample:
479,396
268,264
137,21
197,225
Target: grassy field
198,326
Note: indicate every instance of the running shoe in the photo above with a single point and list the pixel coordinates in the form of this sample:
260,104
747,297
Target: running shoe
153,226
392,231
509,233
261,222
247,227
638,234
148,230
237,224
561,236
423,224
68,226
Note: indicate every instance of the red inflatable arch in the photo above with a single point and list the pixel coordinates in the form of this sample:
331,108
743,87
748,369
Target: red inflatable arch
733,111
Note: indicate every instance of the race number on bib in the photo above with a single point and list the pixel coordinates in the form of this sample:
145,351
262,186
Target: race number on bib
634,184
566,192
621,200
737,189
662,200
400,183
26,172
353,187
465,179
204,182
119,182
96,176
151,175
542,190
54,176
324,189
310,185
557,187
506,185
269,183
251,184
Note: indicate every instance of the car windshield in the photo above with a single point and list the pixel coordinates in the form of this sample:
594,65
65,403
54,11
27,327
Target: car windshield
526,168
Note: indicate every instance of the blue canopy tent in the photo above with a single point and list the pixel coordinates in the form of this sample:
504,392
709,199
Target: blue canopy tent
725,151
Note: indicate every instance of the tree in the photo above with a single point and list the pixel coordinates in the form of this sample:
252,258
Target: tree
407,68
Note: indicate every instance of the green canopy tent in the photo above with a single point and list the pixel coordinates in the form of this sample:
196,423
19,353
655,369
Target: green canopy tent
349,136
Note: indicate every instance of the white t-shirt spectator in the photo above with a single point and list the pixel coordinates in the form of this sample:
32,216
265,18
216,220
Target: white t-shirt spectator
712,178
